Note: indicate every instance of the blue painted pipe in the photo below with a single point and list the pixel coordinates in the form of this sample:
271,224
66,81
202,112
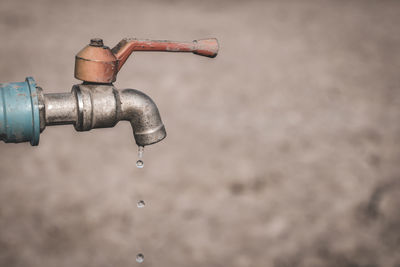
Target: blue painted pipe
19,112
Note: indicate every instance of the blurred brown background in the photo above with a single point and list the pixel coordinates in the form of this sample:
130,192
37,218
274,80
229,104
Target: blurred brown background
282,151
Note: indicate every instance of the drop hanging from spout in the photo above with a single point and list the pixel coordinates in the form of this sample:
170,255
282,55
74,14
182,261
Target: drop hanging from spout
139,162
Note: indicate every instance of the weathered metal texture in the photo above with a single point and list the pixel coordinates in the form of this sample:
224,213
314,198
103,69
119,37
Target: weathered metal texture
202,47
91,106
99,64
25,111
96,63
60,109
19,112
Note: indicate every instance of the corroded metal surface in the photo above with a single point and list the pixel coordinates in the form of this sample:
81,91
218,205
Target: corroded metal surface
202,47
19,112
96,103
98,63
91,106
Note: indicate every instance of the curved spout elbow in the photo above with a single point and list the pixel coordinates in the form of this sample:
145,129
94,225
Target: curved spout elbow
142,112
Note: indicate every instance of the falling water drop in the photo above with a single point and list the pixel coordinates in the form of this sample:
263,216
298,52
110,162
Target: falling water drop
140,151
140,257
139,162
141,204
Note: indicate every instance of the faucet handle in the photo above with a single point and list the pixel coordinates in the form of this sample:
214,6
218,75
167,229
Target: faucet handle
202,47
99,64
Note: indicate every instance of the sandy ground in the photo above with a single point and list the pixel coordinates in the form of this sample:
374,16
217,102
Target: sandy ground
282,151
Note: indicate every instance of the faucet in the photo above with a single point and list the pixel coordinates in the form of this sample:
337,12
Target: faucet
25,111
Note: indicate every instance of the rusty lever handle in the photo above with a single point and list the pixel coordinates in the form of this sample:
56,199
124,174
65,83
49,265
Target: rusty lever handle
97,63
202,47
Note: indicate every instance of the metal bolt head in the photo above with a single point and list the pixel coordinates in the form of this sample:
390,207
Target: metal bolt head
96,42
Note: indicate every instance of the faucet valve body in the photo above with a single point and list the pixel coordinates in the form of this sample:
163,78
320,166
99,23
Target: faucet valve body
91,106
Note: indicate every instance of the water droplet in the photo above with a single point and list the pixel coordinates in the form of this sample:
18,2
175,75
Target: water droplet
140,151
140,257
140,164
141,204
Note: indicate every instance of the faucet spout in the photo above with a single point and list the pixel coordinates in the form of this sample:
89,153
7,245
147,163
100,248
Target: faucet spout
142,112
91,106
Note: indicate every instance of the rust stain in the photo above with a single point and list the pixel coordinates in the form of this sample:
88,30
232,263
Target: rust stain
98,63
